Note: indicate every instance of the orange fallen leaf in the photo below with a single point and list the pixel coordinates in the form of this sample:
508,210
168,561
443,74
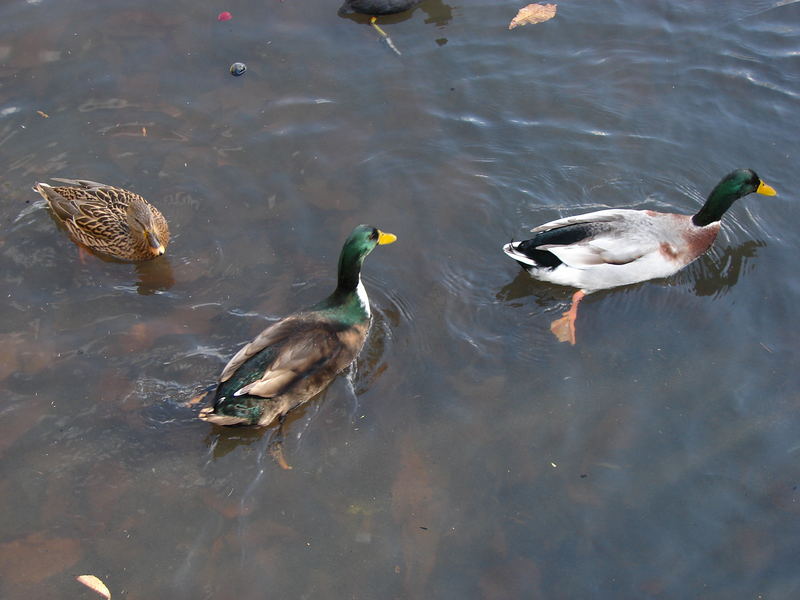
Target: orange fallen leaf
276,450
533,13
93,583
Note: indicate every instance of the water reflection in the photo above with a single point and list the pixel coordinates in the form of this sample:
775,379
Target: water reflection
437,13
716,274
221,441
523,285
485,460
154,276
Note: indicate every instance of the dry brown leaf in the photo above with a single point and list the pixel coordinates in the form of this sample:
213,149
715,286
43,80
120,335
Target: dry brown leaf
93,583
276,450
533,13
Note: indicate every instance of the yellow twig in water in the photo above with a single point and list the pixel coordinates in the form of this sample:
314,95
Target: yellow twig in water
384,35
372,22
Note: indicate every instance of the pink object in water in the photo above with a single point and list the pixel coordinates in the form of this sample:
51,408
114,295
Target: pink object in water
224,16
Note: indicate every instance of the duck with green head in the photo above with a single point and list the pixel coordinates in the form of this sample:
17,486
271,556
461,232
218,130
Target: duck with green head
609,248
297,357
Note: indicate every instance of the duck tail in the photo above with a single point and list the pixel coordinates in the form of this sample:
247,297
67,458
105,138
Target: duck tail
43,189
522,259
82,183
63,208
208,415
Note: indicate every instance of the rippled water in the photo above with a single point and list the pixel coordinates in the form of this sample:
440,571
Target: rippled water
467,454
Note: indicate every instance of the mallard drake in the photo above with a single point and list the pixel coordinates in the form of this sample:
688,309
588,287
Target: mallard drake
108,220
294,359
376,7
609,248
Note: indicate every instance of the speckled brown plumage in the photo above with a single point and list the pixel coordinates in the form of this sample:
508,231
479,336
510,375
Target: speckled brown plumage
108,220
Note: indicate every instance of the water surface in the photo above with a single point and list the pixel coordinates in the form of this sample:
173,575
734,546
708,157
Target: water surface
467,454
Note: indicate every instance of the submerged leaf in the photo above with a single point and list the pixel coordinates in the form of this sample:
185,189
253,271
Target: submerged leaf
93,583
276,450
533,13
36,557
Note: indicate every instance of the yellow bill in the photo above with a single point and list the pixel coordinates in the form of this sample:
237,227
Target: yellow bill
156,247
389,238
765,189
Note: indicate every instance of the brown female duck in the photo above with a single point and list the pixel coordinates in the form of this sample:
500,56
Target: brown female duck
106,219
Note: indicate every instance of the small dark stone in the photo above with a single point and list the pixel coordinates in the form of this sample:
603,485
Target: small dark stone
238,68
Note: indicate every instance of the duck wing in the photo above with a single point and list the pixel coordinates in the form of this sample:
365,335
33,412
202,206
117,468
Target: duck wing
86,215
277,332
293,349
615,236
82,183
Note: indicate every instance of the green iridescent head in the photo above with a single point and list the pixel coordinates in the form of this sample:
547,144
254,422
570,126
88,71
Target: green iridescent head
733,186
361,241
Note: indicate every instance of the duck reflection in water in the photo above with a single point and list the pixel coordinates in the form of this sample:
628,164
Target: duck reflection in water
154,276
222,441
395,11
438,12
712,274
715,275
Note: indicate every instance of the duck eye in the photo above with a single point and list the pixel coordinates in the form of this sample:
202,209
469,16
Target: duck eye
373,235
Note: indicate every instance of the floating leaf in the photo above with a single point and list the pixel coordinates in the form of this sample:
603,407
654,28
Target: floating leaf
533,13
224,16
93,583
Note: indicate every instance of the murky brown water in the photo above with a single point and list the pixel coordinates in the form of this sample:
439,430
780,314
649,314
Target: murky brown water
467,454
